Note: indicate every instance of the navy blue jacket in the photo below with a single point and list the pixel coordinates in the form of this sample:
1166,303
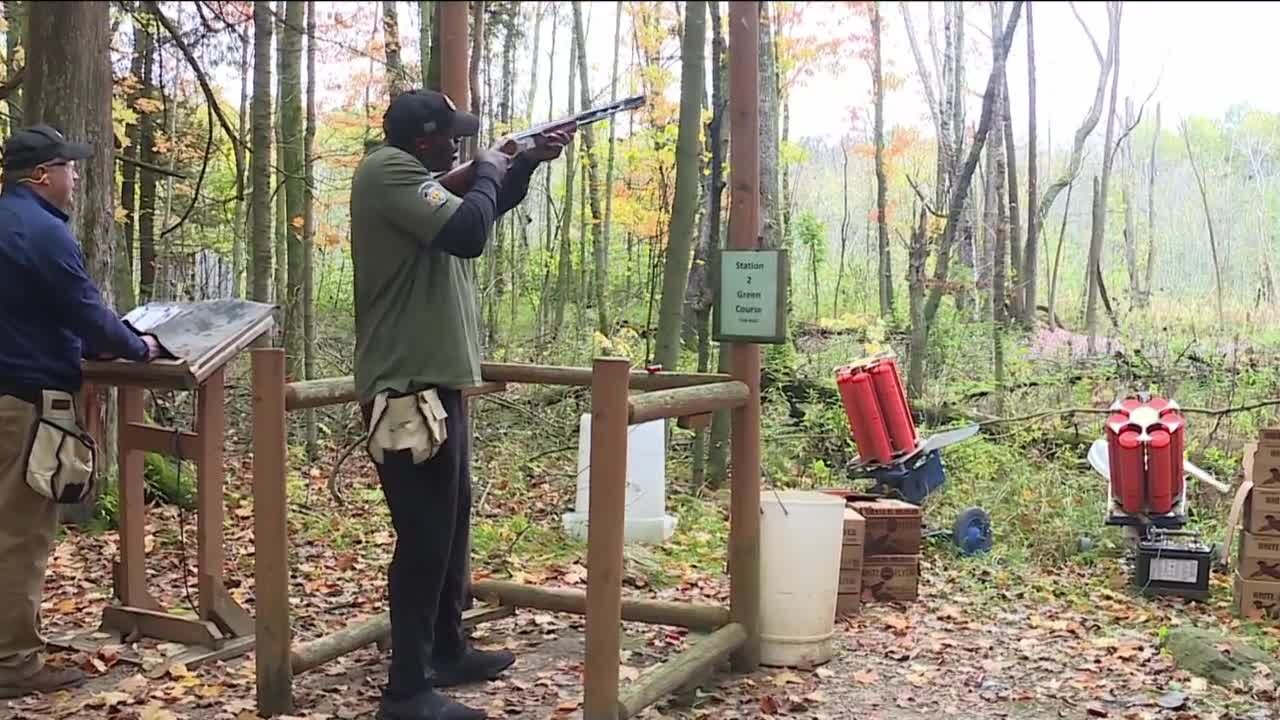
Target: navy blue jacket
51,313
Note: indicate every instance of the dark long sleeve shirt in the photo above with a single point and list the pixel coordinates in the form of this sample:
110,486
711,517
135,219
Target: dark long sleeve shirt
51,313
467,231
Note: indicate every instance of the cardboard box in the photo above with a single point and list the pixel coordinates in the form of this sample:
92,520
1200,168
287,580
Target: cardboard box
892,526
890,578
1257,600
1266,460
848,603
855,527
1263,514
1260,557
851,557
850,581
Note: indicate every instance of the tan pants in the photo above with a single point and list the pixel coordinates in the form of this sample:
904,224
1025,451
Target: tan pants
28,526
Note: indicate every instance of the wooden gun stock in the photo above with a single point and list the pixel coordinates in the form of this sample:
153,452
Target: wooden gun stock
458,180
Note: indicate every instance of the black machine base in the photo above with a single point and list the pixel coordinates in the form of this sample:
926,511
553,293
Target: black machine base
1173,563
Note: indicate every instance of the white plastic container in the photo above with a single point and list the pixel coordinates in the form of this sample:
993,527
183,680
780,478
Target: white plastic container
801,536
646,519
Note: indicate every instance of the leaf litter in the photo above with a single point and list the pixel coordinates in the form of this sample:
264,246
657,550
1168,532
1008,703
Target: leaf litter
978,643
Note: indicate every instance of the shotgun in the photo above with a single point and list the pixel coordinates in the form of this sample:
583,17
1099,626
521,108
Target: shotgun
459,179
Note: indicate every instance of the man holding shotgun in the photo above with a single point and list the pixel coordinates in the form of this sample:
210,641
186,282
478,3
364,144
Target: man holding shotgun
413,240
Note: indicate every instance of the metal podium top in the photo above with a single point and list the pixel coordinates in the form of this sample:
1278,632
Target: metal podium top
202,337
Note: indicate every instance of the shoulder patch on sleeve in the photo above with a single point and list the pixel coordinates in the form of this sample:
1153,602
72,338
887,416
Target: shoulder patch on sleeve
432,193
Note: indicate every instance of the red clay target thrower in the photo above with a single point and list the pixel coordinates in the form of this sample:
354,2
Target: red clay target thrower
890,449
1142,454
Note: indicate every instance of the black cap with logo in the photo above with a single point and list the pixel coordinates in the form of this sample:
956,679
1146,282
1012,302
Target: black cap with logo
415,113
39,144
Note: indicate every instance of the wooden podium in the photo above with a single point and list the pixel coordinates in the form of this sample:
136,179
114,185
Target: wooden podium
204,337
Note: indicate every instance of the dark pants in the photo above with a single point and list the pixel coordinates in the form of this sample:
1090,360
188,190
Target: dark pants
431,512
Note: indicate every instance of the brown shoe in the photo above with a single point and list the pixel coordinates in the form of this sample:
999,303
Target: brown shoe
46,680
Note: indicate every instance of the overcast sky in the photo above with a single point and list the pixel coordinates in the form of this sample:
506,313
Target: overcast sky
1206,57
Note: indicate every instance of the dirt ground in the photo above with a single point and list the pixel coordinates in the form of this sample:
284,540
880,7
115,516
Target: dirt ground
979,643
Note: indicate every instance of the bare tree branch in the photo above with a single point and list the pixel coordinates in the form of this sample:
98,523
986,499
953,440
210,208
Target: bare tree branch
210,97
1097,51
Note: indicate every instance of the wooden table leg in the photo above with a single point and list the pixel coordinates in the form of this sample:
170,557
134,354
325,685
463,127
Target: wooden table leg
132,578
210,425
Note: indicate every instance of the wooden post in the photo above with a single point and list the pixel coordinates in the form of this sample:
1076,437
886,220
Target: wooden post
271,534
132,585
210,426
606,514
455,53
744,233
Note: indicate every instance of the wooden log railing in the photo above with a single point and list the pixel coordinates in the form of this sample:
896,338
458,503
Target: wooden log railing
333,391
681,669
314,653
687,401
733,631
699,618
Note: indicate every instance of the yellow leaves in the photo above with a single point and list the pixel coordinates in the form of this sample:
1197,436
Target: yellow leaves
297,222
120,215
155,712
148,105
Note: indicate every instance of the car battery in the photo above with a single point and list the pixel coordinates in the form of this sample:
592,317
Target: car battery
1173,562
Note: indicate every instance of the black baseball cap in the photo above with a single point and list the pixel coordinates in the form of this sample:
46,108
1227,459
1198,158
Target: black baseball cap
415,113
39,144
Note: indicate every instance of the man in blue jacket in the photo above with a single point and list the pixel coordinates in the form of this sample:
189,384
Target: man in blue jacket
51,317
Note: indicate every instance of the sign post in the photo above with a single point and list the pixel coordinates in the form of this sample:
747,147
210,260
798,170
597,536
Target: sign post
751,300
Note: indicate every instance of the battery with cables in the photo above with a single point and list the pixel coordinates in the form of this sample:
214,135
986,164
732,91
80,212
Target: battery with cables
1173,562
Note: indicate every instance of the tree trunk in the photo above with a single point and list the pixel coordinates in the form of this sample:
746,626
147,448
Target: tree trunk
309,230
292,159
1029,270
882,184
1013,238
844,226
477,55
260,161
432,72
917,257
1151,214
770,208
684,214
564,274
1130,232
126,296
1057,261
68,86
961,187
15,13
1208,219
280,274
599,247
548,212
719,149
1099,228
397,79
242,204
150,89
602,262
426,13
1090,120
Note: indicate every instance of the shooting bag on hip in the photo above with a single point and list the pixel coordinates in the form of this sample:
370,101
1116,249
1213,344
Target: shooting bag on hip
413,422
62,460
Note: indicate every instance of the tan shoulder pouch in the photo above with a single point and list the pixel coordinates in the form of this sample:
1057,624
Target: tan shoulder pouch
415,422
62,461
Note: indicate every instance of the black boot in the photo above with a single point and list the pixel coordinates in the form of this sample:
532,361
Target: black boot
427,705
472,666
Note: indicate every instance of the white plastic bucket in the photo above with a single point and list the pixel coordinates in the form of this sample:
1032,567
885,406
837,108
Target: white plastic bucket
646,519
801,537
